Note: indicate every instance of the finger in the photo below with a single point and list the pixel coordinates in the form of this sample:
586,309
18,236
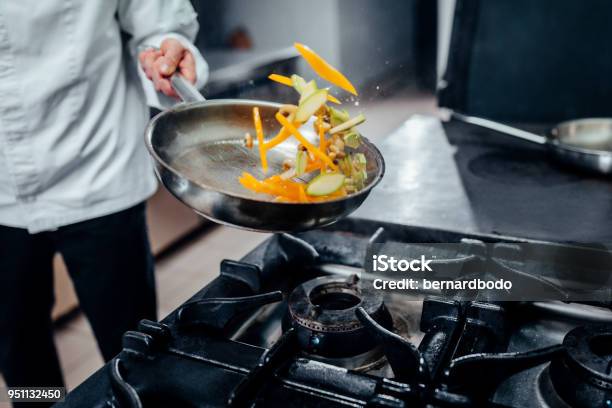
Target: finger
141,56
187,67
165,66
147,59
147,62
162,84
173,52
144,52
157,79
166,87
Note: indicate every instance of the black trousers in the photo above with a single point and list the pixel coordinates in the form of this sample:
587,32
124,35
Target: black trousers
109,261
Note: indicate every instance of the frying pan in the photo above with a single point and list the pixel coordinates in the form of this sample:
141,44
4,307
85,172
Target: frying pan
580,143
199,153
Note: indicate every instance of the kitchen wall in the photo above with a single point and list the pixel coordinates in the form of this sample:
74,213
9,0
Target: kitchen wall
364,38
278,23
376,37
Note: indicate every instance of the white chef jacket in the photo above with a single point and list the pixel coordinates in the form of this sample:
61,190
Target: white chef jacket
73,105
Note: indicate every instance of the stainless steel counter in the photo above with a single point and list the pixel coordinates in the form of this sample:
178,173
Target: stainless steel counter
459,177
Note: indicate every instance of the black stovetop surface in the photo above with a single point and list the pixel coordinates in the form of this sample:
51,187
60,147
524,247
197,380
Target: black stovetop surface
460,177
230,344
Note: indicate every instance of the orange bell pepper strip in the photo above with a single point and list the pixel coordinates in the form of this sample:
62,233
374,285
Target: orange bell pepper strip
248,181
273,186
278,190
315,165
250,185
281,79
278,139
260,139
322,142
333,99
309,146
302,194
324,69
282,135
274,179
278,181
282,187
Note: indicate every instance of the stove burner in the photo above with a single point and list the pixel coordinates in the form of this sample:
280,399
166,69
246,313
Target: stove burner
323,312
583,376
526,168
372,362
323,299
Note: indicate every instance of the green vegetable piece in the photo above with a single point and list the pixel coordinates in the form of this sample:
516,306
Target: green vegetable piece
299,83
345,166
310,105
352,139
310,88
357,120
359,177
337,116
354,167
359,160
325,184
301,160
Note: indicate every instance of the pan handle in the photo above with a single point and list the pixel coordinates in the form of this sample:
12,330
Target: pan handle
185,89
500,127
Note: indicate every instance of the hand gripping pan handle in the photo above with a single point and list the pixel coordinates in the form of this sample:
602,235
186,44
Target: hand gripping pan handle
185,89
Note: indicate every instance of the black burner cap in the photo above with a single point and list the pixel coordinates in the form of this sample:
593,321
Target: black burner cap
323,312
583,377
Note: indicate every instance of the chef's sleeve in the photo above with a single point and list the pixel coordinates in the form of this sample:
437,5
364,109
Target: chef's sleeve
148,23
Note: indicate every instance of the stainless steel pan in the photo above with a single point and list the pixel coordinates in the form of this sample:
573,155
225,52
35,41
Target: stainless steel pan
199,154
581,143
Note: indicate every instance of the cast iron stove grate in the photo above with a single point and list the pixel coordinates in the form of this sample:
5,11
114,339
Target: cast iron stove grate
292,325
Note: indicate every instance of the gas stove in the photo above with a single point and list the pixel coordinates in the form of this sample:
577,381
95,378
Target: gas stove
296,323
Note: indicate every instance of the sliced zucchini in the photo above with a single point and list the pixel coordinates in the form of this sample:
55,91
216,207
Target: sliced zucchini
345,166
360,160
359,164
359,174
337,116
325,184
298,83
301,160
310,105
359,178
357,120
352,139
310,88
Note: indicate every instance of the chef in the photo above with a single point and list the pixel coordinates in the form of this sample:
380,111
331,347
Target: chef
75,81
